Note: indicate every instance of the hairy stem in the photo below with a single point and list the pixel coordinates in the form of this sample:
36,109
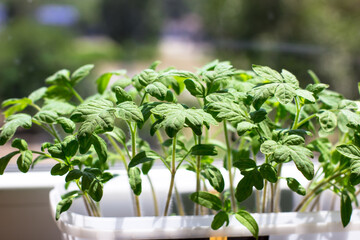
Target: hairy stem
198,169
133,153
229,167
173,172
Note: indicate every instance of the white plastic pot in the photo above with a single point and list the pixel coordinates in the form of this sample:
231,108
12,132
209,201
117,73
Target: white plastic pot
117,201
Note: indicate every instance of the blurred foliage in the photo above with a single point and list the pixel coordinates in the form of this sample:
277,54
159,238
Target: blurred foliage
295,35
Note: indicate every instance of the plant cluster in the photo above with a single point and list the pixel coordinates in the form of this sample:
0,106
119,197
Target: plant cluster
265,118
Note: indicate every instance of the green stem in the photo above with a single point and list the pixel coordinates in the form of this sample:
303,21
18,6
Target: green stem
179,202
118,150
173,172
229,166
81,100
133,153
277,191
264,197
297,116
198,169
305,120
47,155
156,207
314,190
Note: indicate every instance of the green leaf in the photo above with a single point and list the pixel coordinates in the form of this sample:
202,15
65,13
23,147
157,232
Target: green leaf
135,180
122,95
37,94
118,134
293,140
355,171
258,116
245,164
61,77
96,114
267,73
345,208
244,189
96,190
307,95
228,111
89,175
268,147
80,73
147,76
248,221
46,116
60,107
290,78
350,151
59,93
295,186
219,220
215,178
328,121
204,150
20,144
69,146
73,174
63,206
300,155
159,91
18,105
67,125
59,169
143,157
284,93
261,93
207,200
100,147
244,126
103,81
4,161
268,172
12,123
24,161
195,88
129,111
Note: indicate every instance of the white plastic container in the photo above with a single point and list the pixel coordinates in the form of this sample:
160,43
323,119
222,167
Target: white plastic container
117,198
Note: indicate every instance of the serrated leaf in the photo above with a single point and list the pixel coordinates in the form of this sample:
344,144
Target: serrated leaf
157,90
268,172
350,151
59,106
45,116
95,114
267,73
67,125
307,95
122,95
143,157
129,111
248,221
147,76
284,93
300,155
290,78
204,150
228,111
328,121
293,140
215,178
135,180
219,220
80,73
268,147
4,161
195,88
244,126
262,93
20,144
60,93
295,186
11,125
207,200
345,208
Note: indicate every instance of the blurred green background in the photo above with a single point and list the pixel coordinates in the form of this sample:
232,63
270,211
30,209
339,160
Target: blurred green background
39,37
